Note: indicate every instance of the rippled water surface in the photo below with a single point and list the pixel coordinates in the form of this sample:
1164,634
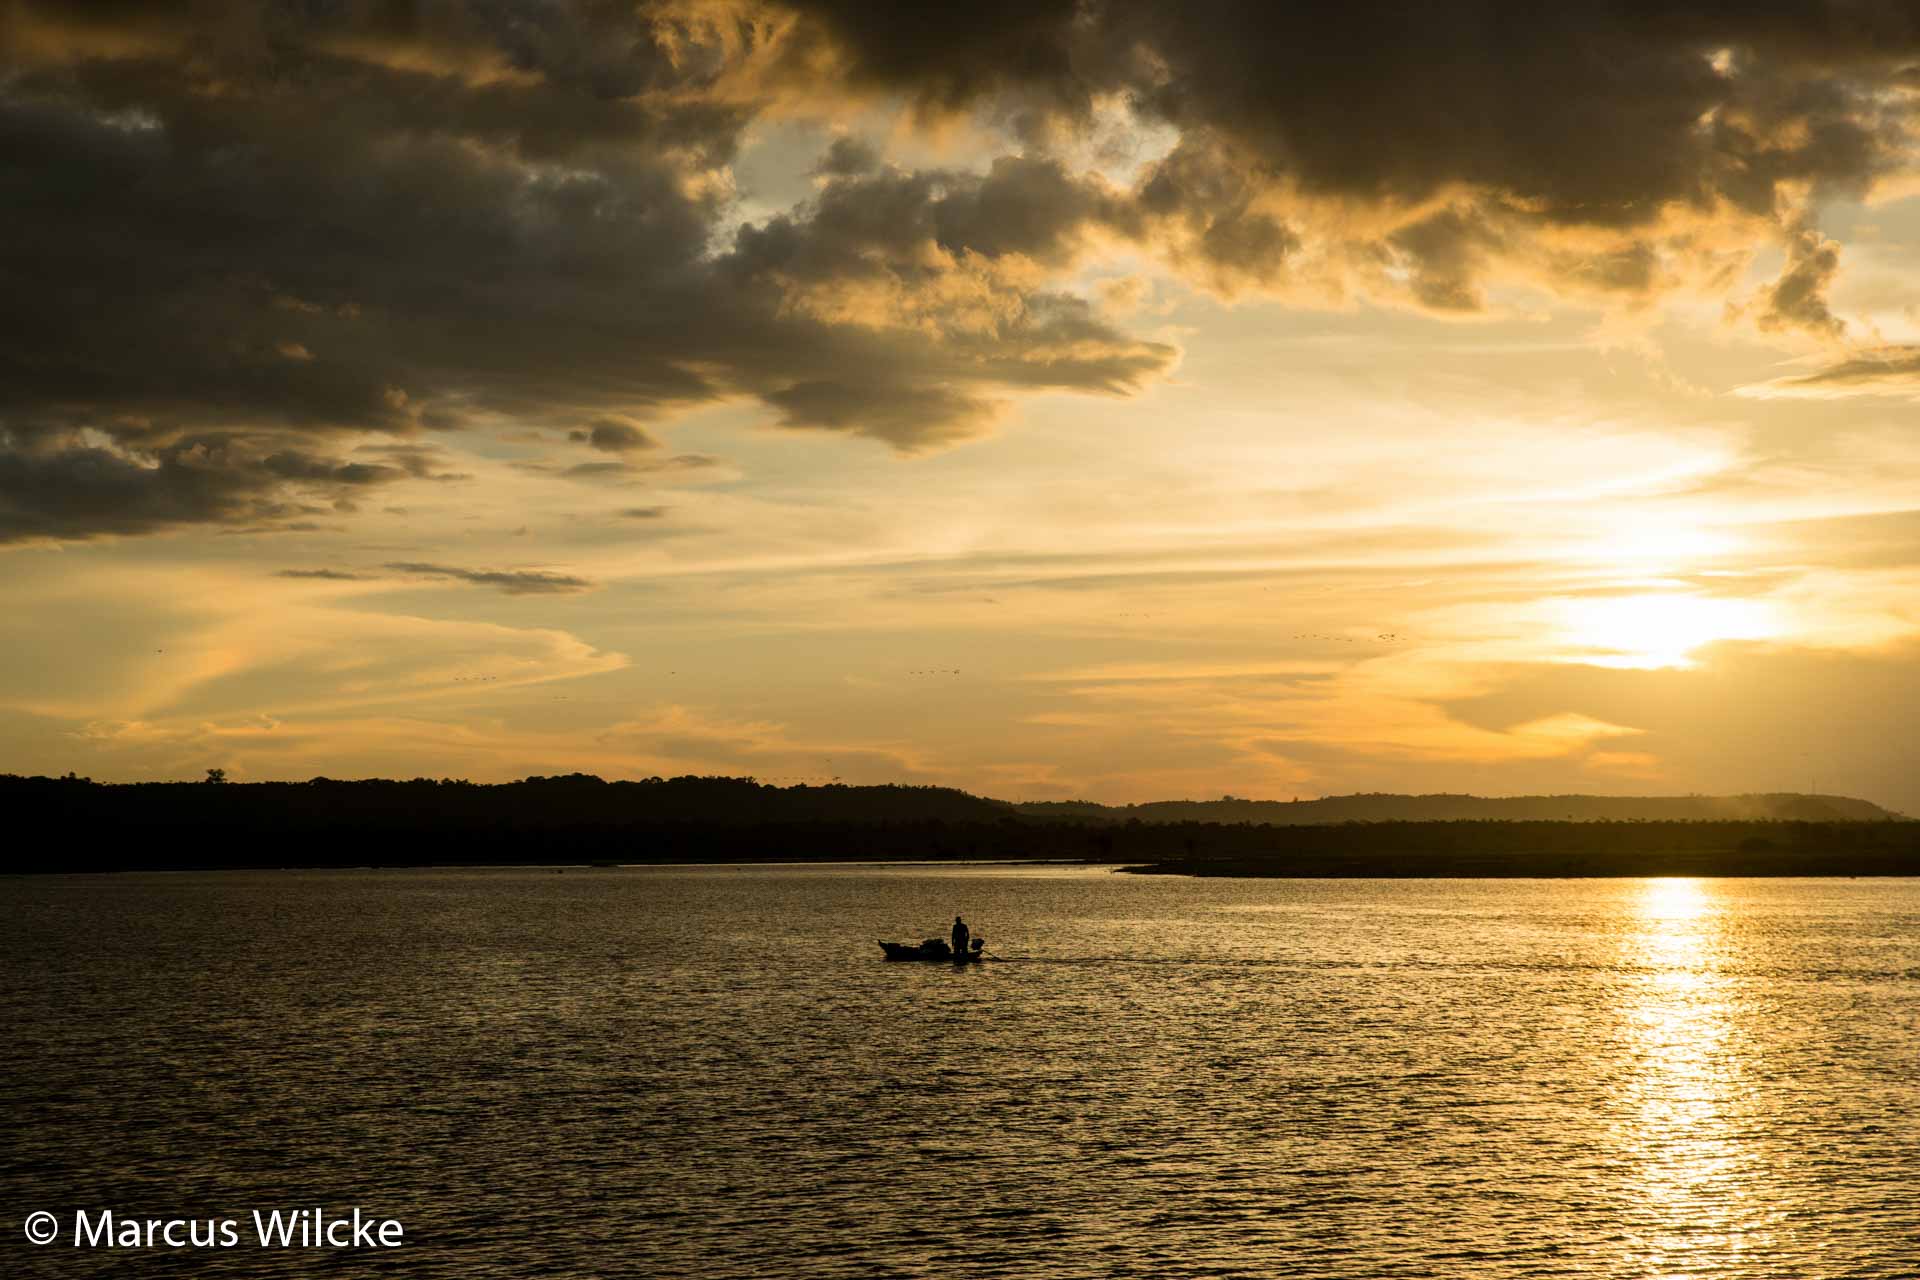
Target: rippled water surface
710,1072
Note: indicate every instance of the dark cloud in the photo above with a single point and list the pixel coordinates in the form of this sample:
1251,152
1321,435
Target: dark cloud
643,513
303,226
848,157
1445,252
238,240
600,470
945,264
613,436
515,582
1592,113
324,575
949,56
290,464
903,416
62,487
626,470
1798,299
1200,204
79,492
915,229
422,462
863,224
1883,371
1621,120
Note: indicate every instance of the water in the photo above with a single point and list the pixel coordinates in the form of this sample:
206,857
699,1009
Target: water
710,1072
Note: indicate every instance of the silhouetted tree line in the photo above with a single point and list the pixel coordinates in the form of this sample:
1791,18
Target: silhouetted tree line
74,824
1378,807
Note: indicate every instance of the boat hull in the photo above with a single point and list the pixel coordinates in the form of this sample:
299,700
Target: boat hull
929,955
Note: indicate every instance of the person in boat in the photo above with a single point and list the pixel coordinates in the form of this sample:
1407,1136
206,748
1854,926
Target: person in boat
960,935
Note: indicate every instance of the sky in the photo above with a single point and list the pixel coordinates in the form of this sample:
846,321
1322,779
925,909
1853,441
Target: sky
1110,400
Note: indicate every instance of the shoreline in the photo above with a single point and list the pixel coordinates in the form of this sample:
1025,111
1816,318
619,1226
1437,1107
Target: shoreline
1730,864
718,864
1224,869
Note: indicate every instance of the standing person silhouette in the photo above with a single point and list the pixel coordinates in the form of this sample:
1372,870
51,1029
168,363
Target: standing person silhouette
960,935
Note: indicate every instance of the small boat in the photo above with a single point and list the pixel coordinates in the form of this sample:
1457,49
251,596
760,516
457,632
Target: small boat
936,951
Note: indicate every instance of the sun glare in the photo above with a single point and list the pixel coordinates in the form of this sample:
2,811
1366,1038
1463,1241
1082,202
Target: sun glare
1652,548
1660,629
1673,898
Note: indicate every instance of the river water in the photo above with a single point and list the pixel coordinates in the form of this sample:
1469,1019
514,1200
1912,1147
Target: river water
710,1072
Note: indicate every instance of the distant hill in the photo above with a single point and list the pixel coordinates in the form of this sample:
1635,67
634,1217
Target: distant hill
571,800
1772,807
74,824
580,799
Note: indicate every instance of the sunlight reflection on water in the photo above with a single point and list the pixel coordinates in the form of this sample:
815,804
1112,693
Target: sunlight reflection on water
1691,1098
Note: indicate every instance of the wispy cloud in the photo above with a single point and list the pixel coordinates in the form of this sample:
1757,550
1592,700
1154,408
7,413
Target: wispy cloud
515,582
1883,371
325,575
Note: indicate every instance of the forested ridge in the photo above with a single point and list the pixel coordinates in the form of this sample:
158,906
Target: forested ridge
74,824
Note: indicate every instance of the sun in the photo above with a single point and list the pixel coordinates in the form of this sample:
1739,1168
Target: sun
1658,629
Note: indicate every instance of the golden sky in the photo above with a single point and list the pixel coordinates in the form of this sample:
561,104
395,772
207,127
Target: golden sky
1101,400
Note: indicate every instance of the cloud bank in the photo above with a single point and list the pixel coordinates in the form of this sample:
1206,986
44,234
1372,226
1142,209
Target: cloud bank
245,242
